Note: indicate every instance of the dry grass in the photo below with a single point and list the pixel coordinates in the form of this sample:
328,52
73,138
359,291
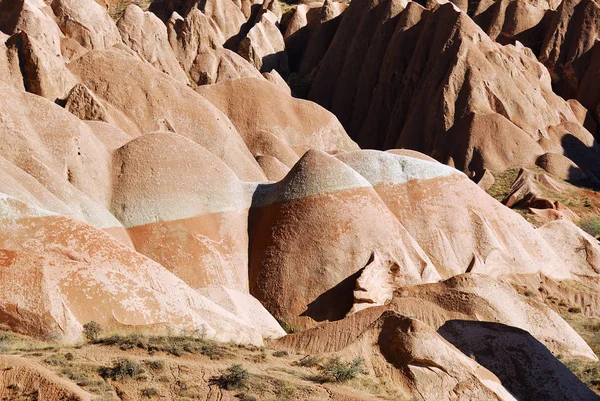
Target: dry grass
589,329
582,201
117,10
502,184
13,343
138,366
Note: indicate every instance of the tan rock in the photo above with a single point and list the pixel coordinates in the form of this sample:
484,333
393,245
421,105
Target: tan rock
263,46
218,65
486,181
380,90
86,22
481,298
321,224
203,231
146,34
82,103
22,377
496,346
563,168
159,98
274,77
63,155
33,17
255,106
414,359
10,72
44,73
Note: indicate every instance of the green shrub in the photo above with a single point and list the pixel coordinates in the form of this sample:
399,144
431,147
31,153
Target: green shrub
122,369
92,330
335,370
286,327
575,309
590,226
234,377
279,354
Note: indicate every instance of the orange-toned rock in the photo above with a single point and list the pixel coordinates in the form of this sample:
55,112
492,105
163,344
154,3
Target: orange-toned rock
321,225
201,233
68,273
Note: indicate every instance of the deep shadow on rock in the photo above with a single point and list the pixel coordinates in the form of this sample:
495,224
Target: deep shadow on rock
523,364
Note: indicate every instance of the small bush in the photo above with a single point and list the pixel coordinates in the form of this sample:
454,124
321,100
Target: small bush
563,303
156,364
92,330
575,309
309,361
337,371
286,327
279,354
590,226
212,350
148,392
122,369
234,377
260,357
528,293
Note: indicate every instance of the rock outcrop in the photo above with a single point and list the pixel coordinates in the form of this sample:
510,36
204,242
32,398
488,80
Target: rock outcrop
390,64
416,360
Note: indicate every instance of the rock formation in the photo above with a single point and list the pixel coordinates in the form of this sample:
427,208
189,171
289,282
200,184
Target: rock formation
437,62
158,176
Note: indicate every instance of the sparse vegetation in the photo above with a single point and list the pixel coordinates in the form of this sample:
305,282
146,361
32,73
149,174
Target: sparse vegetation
92,330
502,184
123,368
288,8
334,370
149,392
300,85
193,342
90,366
235,377
589,329
11,343
156,364
590,225
286,327
575,309
309,361
116,11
